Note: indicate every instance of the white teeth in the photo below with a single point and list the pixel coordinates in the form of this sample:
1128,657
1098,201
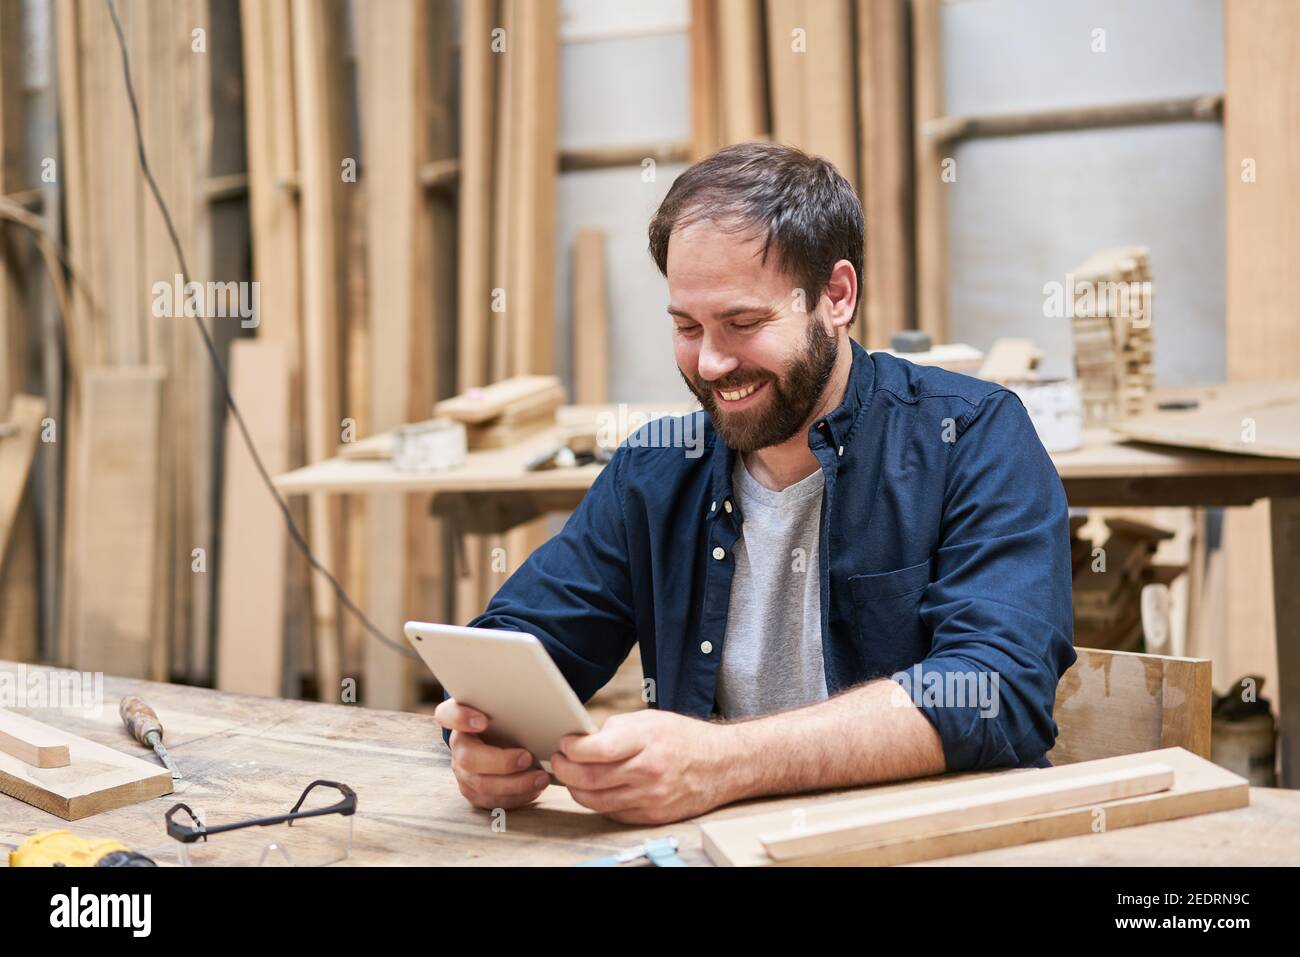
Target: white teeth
740,394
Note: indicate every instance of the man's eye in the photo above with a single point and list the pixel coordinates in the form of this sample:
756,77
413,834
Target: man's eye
688,330
747,325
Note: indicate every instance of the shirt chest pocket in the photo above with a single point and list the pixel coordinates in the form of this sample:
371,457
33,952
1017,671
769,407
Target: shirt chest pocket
887,610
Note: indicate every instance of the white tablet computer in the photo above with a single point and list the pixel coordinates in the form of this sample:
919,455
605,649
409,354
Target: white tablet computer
508,676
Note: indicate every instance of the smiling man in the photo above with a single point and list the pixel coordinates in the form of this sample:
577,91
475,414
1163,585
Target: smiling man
864,578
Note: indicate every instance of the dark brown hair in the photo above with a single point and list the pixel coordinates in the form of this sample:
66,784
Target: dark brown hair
807,211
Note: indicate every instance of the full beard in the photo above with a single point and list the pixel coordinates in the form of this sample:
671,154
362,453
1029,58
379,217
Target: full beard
790,401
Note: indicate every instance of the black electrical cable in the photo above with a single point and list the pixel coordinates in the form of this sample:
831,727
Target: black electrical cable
296,535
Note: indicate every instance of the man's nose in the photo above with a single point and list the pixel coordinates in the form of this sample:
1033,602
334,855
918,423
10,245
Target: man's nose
715,362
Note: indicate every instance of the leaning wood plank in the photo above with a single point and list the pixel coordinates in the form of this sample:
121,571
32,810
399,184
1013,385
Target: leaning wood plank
116,627
704,79
317,59
16,454
590,318
32,742
251,612
1200,787
885,150
931,203
1248,418
961,805
95,779
474,252
743,99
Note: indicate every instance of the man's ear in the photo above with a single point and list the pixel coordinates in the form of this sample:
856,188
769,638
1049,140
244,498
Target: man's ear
842,291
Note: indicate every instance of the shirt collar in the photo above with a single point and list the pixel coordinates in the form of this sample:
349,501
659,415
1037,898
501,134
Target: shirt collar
838,426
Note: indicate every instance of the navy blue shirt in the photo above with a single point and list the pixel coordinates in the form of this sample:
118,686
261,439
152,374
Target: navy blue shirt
945,562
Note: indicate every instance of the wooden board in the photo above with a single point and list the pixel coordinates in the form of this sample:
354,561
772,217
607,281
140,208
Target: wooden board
318,79
17,452
810,79
1248,418
704,79
117,567
931,198
959,805
95,779
1011,360
885,151
31,742
590,318
511,399
1111,702
1199,788
253,537
742,88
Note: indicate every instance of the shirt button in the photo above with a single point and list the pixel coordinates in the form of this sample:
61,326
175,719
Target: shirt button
841,450
727,506
713,507
706,646
821,425
719,554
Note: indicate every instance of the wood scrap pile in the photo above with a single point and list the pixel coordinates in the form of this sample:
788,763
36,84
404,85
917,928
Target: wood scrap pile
1110,572
1113,344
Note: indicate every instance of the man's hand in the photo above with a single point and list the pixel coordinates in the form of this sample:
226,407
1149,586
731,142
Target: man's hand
646,767
488,777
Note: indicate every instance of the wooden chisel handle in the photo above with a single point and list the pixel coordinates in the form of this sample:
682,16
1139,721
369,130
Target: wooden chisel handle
140,719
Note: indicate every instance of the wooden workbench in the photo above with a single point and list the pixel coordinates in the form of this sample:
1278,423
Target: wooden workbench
244,757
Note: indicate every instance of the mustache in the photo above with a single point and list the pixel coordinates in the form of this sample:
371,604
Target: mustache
729,383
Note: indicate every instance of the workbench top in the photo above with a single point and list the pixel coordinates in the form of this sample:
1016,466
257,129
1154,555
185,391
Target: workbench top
245,757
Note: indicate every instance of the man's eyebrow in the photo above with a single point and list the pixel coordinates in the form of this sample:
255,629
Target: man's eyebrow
726,313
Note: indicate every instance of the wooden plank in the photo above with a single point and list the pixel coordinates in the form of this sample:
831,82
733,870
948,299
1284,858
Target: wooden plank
1249,418
1112,702
271,129
931,201
885,149
95,779
250,615
318,74
534,109
1199,788
13,312
743,97
1011,360
31,742
116,626
705,128
959,805
17,451
590,318
474,253
1261,154
810,74
18,597
516,394
1284,529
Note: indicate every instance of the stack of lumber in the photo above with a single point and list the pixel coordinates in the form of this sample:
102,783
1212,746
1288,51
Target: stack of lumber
1113,344
505,412
1109,575
945,816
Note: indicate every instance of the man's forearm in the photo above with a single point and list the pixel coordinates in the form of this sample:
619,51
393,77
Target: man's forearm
870,734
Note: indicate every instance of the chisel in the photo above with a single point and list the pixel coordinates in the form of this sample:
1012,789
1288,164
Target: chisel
143,723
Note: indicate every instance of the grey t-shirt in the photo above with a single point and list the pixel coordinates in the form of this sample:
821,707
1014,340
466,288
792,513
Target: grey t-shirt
772,650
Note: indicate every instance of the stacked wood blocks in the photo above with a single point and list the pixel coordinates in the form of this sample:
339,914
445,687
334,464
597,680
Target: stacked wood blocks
1113,344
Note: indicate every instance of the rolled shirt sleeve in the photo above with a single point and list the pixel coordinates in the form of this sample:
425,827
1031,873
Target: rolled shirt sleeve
999,605
574,593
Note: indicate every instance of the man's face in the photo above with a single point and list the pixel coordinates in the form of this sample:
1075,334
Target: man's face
754,354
